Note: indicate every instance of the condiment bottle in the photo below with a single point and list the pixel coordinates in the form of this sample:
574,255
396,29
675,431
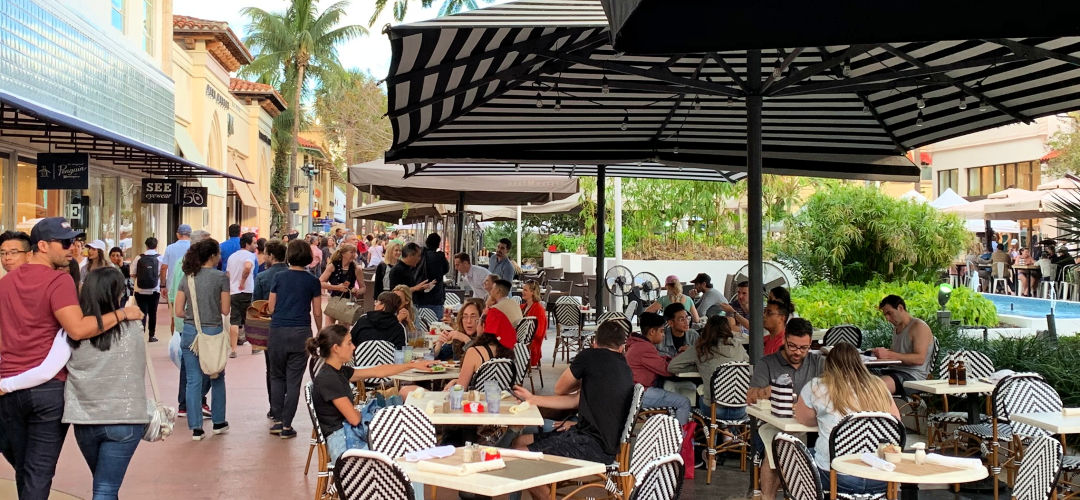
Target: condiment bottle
961,373
882,444
468,453
952,372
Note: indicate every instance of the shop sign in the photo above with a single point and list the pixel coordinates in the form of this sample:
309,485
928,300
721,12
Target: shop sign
159,191
193,196
63,171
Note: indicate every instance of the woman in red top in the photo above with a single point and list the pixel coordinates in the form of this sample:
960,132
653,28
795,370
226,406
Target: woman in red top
533,307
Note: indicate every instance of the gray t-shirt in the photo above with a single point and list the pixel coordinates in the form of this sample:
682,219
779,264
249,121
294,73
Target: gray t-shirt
903,343
209,283
772,366
710,298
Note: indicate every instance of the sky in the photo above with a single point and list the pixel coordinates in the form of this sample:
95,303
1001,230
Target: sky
370,53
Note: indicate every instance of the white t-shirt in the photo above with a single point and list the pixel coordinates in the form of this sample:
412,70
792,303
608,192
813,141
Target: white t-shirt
475,279
235,268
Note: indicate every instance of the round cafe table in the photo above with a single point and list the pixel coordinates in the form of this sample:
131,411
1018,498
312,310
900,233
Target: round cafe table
907,472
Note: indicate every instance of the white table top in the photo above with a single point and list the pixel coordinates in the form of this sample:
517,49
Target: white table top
762,411
943,387
688,375
530,416
490,484
1053,422
854,466
415,375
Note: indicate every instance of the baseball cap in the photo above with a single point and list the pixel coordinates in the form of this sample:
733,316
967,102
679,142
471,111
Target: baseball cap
53,228
184,229
702,278
671,279
98,244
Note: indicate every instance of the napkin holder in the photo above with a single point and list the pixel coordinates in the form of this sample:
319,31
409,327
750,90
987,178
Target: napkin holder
782,400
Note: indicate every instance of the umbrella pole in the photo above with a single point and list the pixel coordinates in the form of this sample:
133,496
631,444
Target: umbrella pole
601,173
459,221
754,194
519,235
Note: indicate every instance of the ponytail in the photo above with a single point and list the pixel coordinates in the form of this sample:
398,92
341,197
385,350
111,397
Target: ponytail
319,346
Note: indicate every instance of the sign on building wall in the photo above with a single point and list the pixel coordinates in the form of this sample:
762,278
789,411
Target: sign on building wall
159,191
63,171
340,210
193,196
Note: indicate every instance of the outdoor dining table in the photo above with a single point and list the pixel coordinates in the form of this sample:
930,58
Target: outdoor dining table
413,376
762,412
1016,275
1052,422
943,388
519,474
530,416
907,472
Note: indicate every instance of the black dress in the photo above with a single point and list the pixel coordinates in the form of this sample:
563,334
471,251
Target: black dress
339,276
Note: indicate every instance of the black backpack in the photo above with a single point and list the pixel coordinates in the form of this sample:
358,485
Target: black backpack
147,272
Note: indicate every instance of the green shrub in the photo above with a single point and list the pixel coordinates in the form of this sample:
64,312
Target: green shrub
826,305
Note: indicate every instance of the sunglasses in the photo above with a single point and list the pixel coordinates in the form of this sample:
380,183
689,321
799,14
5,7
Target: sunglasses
65,244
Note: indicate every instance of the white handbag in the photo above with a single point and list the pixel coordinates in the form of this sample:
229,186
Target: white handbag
212,350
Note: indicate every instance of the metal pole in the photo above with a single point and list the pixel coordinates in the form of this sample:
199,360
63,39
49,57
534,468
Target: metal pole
459,219
310,197
754,194
518,247
618,221
601,172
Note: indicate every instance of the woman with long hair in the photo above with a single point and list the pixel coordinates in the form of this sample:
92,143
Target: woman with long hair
97,256
485,347
452,344
715,346
342,276
382,323
391,254
532,306
844,387
200,265
105,393
674,295
331,393
295,300
406,295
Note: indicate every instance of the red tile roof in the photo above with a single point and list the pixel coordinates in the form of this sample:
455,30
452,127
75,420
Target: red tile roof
240,87
219,30
304,143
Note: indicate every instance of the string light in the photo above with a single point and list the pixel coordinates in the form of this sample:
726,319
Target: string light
539,100
604,88
982,105
558,103
697,103
865,108
776,72
963,102
920,103
846,68
730,101
918,119
625,121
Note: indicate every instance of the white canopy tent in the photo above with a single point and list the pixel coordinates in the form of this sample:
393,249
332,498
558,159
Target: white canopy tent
972,212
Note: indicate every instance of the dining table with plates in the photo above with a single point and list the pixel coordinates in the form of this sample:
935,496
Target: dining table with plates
512,412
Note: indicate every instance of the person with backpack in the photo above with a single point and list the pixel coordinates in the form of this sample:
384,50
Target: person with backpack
147,272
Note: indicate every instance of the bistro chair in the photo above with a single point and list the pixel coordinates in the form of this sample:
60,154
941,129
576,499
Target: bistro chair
660,436
554,273
424,318
501,370
401,429
452,299
1039,470
526,331
1049,278
798,472
568,328
910,405
999,277
324,489
978,366
374,353
661,479
728,383
521,363
862,432
365,474
843,333
617,476
1030,394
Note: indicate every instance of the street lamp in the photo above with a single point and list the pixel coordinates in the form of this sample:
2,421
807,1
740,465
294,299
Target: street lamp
312,171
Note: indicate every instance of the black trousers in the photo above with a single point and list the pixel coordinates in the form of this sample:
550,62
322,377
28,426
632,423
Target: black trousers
31,420
286,359
148,303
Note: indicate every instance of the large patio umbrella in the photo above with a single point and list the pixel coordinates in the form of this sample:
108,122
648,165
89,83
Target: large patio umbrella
396,211
950,202
538,81
1026,204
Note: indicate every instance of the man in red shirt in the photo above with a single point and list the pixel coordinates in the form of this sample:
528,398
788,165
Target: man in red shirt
647,365
36,300
776,317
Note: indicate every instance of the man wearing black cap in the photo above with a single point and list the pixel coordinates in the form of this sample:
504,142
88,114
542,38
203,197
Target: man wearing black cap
710,298
36,300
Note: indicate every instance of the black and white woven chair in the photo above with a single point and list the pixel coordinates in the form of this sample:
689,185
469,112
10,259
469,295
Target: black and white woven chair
1029,394
616,479
568,334
397,430
374,353
659,437
843,333
324,479
526,329
452,299
862,432
798,472
1039,470
521,363
501,370
978,365
424,318
728,383
370,475
660,479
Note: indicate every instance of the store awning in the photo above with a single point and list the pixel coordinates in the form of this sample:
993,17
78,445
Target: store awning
249,196
60,132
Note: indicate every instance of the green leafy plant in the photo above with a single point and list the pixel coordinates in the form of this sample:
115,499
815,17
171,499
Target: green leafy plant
825,304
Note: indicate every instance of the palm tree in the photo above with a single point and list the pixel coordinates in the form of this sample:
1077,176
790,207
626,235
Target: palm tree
296,51
400,6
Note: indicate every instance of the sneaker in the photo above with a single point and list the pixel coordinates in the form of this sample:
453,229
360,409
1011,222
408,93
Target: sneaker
221,428
232,354
276,429
181,413
153,339
198,435
288,433
270,415
206,411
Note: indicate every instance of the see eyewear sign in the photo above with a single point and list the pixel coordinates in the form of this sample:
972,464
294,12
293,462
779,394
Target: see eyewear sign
63,171
160,191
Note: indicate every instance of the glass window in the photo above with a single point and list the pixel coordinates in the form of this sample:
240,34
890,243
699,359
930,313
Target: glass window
999,178
973,182
148,26
926,173
1010,175
137,221
118,14
948,179
101,216
1023,175
32,204
987,180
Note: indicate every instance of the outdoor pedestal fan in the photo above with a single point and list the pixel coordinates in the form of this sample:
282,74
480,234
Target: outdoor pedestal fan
772,276
619,281
642,288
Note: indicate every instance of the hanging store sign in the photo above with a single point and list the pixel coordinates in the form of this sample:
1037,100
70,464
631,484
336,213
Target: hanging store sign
193,196
159,191
63,171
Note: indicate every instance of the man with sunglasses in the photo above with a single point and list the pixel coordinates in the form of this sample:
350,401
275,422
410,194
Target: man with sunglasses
36,300
796,361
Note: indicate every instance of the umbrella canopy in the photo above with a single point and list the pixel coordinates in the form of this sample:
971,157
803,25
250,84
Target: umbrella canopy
948,198
496,213
1029,204
395,211
387,182
950,202
913,195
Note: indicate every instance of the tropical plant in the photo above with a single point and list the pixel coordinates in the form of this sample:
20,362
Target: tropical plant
852,234
825,304
1067,145
401,6
296,51
352,112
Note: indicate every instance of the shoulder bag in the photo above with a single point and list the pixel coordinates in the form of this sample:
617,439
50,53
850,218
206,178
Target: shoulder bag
344,309
162,417
212,350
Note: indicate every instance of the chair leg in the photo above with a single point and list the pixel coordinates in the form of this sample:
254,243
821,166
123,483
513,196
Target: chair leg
311,449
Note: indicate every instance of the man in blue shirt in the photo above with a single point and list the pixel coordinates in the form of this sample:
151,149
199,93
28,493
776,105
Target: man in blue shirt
500,262
230,245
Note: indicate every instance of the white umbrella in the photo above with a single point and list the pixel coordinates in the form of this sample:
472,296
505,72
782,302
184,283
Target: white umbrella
913,195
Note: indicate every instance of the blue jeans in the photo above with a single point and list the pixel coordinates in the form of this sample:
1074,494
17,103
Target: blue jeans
108,450
31,420
335,444
850,485
722,412
181,398
196,378
656,397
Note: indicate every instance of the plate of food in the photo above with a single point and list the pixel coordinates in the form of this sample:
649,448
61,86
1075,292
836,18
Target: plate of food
435,368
